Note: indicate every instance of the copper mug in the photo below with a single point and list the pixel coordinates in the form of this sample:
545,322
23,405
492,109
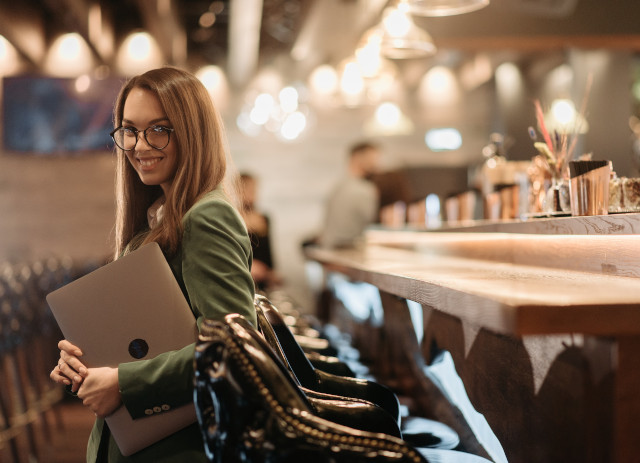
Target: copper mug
589,192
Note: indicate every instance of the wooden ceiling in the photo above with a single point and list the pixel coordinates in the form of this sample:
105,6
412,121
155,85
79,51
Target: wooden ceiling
319,30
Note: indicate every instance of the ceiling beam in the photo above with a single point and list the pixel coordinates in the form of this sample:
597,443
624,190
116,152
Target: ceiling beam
85,17
332,30
245,21
159,18
24,28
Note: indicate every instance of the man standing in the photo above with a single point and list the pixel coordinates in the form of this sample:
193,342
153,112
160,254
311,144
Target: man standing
353,203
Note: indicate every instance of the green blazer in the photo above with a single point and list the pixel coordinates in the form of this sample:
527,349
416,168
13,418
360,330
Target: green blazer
212,267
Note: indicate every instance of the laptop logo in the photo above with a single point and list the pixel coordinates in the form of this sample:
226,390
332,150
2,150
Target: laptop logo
138,348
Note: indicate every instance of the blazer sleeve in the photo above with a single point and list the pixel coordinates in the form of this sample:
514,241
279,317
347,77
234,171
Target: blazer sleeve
215,261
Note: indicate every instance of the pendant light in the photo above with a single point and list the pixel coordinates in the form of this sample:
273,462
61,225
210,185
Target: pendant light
400,38
443,7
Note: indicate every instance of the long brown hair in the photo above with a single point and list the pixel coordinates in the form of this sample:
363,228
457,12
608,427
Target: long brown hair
201,151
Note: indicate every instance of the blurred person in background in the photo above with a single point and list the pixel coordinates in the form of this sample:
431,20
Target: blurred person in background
258,226
352,206
354,201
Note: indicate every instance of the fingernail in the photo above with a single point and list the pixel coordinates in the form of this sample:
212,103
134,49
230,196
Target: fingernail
83,371
77,379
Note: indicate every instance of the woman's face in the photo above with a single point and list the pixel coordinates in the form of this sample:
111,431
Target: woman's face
142,109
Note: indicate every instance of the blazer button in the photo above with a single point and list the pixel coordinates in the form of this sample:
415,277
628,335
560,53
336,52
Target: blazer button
166,407
148,411
157,409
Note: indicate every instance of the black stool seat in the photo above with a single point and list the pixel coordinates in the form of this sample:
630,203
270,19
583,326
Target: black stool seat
352,412
330,364
423,432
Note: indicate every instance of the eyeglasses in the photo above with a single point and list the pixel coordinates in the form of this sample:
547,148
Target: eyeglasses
157,136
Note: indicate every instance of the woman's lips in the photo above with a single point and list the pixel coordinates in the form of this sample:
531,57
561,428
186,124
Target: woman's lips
148,163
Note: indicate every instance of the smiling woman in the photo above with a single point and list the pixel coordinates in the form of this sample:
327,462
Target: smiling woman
171,163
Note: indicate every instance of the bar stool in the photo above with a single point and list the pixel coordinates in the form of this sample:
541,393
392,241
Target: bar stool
416,430
248,405
345,413
291,354
28,334
8,432
14,380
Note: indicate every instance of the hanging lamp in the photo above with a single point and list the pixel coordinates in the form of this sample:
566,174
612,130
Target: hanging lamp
443,7
400,38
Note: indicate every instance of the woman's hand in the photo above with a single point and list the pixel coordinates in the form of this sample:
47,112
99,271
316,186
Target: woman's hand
100,392
69,370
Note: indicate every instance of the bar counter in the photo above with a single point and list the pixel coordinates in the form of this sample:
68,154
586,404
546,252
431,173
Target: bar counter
541,317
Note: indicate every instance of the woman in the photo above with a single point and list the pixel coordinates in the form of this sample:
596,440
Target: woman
171,162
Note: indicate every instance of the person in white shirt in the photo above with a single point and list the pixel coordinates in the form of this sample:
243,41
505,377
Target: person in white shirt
353,203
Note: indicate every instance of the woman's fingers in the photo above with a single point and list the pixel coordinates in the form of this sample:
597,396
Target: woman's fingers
69,370
72,369
69,348
63,374
69,354
57,376
70,362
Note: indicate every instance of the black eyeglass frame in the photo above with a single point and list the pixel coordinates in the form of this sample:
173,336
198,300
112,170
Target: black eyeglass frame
144,133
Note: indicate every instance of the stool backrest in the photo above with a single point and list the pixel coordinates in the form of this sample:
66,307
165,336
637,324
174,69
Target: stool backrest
249,406
273,324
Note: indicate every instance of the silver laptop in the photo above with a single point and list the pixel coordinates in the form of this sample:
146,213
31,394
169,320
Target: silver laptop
128,310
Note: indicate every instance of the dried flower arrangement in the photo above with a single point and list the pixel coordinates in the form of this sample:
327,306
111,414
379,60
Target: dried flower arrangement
556,148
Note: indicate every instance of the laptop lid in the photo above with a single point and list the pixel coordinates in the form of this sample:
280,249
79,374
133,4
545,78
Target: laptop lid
130,309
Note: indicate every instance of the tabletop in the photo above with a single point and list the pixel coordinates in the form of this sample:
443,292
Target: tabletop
511,283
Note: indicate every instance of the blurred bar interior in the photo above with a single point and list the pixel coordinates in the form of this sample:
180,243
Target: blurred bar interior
478,114
297,82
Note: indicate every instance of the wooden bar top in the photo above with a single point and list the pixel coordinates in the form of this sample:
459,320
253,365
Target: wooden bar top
517,284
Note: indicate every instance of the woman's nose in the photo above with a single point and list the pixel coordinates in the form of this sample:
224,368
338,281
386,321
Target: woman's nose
143,144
